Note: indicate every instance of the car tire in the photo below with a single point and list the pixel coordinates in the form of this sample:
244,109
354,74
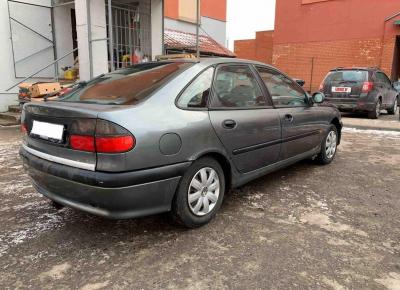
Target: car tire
393,109
328,149
377,111
194,192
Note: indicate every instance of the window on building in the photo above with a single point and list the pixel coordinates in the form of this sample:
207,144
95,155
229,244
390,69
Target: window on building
284,92
188,10
197,93
236,86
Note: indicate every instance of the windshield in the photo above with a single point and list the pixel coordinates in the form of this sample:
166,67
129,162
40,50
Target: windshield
347,76
126,86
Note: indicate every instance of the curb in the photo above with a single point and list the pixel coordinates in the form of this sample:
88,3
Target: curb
360,127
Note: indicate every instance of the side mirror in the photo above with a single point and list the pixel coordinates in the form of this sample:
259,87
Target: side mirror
300,82
318,97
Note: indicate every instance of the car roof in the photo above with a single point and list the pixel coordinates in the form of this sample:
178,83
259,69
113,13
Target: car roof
356,68
216,60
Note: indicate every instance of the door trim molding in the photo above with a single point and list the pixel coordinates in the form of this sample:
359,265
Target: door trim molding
274,142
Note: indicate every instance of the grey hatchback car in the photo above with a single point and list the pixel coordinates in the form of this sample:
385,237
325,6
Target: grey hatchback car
172,136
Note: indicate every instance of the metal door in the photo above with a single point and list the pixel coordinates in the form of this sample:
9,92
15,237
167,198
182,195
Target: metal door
32,38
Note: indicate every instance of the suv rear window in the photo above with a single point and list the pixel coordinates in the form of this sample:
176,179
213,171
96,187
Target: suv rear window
347,76
127,86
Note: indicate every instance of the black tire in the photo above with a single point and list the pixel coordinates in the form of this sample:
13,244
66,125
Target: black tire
376,112
181,211
322,158
393,109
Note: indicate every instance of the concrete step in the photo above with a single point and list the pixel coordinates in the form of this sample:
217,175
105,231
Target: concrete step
10,118
14,109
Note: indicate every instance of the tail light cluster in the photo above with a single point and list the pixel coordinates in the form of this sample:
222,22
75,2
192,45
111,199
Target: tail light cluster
367,87
100,136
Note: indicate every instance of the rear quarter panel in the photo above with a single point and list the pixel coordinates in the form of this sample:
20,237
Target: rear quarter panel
153,119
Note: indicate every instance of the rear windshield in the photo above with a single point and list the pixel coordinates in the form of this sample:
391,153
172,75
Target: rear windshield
347,76
126,86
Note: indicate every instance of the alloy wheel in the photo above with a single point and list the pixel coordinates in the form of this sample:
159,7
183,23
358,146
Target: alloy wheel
203,192
331,144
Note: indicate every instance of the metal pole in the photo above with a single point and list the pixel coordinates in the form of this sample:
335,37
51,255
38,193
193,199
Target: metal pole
312,73
89,28
110,36
197,29
54,42
42,69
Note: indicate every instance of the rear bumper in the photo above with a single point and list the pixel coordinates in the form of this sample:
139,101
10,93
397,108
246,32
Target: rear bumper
112,195
352,105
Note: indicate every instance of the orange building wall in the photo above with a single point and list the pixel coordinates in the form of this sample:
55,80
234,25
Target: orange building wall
311,39
259,49
215,9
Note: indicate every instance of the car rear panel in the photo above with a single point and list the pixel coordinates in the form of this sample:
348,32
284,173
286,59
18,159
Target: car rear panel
61,114
344,89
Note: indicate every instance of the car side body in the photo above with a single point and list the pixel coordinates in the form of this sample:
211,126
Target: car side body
361,90
247,142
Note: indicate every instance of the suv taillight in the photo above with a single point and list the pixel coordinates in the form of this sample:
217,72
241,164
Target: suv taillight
367,87
24,129
101,137
321,86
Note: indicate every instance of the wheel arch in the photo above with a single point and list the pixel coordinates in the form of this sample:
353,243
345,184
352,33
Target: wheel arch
223,160
335,121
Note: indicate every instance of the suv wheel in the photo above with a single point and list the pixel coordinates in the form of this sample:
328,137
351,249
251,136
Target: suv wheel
199,194
393,109
376,113
328,147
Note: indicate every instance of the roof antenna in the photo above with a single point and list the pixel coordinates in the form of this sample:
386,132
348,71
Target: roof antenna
197,30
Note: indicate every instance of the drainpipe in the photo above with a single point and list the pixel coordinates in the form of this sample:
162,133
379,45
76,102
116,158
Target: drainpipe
197,29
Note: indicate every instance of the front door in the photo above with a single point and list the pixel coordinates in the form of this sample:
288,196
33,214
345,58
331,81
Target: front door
244,120
302,128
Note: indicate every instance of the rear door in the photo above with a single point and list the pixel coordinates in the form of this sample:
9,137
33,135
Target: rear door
385,89
302,124
244,120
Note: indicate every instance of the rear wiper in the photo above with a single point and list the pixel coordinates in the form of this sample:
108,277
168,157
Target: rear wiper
344,82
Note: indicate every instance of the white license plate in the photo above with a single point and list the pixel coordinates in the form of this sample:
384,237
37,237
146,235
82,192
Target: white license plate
47,130
341,90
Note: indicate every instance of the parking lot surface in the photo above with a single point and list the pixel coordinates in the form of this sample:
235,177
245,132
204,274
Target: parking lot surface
307,226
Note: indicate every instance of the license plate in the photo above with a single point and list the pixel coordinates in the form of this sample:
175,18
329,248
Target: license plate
47,131
341,90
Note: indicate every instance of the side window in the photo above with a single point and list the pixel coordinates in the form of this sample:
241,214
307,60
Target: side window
236,86
197,93
283,91
382,78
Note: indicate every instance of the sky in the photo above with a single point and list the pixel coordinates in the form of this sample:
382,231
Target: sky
245,17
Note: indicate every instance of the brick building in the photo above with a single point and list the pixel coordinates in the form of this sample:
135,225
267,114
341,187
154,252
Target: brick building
313,36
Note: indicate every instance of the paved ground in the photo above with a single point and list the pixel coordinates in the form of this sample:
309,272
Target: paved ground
305,227
385,121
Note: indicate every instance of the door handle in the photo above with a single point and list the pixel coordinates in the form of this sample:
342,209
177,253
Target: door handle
289,117
229,124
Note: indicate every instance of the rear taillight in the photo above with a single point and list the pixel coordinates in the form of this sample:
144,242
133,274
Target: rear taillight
82,143
114,144
101,136
367,87
24,129
321,86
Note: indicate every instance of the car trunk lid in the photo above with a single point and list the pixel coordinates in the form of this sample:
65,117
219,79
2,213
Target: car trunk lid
49,126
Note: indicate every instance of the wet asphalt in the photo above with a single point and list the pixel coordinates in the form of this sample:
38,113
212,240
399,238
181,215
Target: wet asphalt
304,227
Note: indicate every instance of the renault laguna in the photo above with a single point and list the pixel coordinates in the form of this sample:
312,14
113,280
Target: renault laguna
172,136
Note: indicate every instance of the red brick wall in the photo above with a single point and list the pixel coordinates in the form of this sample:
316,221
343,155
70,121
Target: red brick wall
296,59
260,48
